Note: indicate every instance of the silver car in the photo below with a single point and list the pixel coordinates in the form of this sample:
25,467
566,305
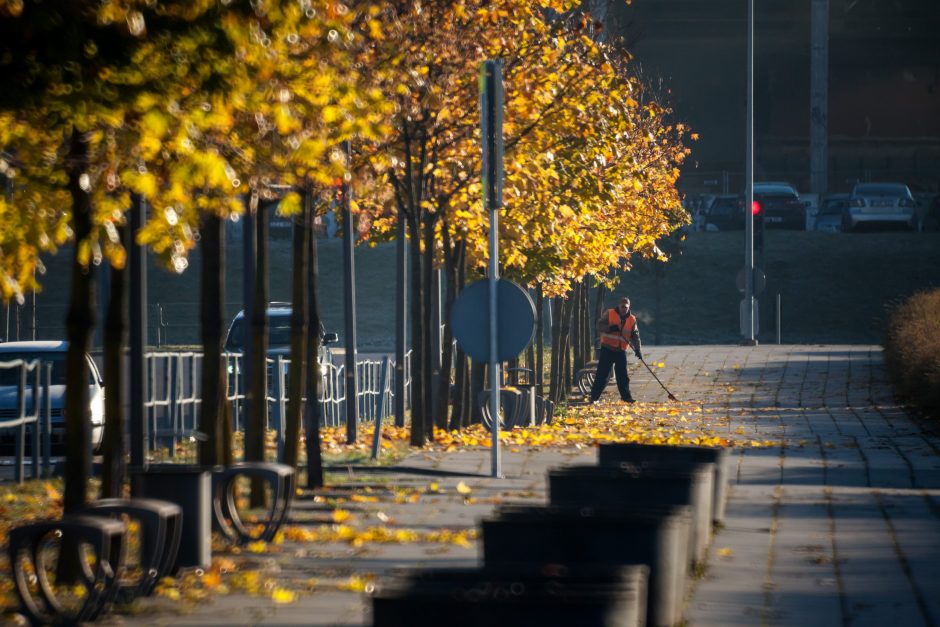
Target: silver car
54,353
880,204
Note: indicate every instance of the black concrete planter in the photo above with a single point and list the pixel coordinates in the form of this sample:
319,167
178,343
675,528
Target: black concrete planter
190,487
520,597
612,454
638,486
656,537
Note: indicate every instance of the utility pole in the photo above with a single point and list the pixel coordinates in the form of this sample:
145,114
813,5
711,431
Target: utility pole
819,97
749,304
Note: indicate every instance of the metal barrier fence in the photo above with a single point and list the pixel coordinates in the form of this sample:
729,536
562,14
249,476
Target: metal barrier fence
33,409
174,393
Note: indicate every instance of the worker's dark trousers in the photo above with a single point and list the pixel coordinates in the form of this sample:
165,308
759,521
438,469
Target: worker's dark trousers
607,358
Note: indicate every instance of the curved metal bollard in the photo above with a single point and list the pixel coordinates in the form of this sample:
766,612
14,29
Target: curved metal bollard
281,479
106,538
160,531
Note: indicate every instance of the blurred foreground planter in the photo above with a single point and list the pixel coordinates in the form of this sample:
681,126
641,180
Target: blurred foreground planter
190,487
552,595
656,537
617,453
637,486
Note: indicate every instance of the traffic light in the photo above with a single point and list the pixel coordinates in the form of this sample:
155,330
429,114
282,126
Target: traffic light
758,226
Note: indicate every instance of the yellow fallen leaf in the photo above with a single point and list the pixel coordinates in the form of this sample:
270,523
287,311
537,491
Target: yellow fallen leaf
661,364
340,515
282,595
434,487
463,488
259,546
725,552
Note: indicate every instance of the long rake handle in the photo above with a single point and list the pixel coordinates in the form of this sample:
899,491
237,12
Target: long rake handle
671,396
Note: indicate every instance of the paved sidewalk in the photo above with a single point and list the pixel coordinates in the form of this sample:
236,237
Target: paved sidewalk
836,526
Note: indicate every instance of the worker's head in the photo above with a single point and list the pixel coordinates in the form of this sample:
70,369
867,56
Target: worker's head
624,305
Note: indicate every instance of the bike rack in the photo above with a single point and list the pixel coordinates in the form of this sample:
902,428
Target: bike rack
107,539
281,479
160,531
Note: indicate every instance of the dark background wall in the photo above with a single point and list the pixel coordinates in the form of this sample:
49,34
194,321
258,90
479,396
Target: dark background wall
884,100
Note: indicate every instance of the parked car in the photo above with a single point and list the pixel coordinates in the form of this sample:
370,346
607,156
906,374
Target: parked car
726,213
882,204
780,205
54,353
829,218
278,332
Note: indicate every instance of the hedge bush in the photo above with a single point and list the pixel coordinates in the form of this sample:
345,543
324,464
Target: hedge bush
912,351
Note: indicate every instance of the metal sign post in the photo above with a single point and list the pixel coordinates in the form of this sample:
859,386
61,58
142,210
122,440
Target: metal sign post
749,305
491,127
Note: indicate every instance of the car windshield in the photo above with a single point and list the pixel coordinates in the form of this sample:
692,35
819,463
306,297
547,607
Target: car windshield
723,206
775,190
11,376
882,190
278,333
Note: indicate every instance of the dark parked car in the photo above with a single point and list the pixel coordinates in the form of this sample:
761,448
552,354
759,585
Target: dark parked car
883,204
829,218
780,206
726,213
278,332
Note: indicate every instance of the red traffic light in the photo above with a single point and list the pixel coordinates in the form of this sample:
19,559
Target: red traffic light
755,207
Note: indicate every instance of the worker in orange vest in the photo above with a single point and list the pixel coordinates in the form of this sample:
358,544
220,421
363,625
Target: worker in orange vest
617,329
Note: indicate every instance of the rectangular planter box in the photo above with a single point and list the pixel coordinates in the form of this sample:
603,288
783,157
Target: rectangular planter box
521,597
616,453
656,537
641,485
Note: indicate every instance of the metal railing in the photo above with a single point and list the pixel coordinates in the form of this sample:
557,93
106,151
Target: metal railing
173,397
34,410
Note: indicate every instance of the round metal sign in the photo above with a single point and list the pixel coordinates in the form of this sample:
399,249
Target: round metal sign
470,320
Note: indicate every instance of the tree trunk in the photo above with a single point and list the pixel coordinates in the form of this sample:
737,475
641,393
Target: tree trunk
113,464
451,262
598,310
429,327
539,341
576,332
212,299
555,364
418,354
79,323
299,331
256,434
312,406
477,381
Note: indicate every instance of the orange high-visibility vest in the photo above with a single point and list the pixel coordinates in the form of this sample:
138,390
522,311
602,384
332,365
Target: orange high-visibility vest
618,341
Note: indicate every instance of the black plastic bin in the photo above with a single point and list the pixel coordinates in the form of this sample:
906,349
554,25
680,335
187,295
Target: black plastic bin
617,453
190,487
521,597
654,537
638,486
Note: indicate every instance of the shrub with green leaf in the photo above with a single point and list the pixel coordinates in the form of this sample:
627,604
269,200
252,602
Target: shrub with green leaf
912,351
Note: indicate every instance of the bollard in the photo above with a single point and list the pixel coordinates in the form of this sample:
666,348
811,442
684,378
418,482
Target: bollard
190,487
656,537
616,453
552,595
639,486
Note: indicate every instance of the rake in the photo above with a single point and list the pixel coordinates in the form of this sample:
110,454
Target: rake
672,397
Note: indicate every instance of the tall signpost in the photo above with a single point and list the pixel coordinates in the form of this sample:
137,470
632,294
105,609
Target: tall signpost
349,274
491,127
749,304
